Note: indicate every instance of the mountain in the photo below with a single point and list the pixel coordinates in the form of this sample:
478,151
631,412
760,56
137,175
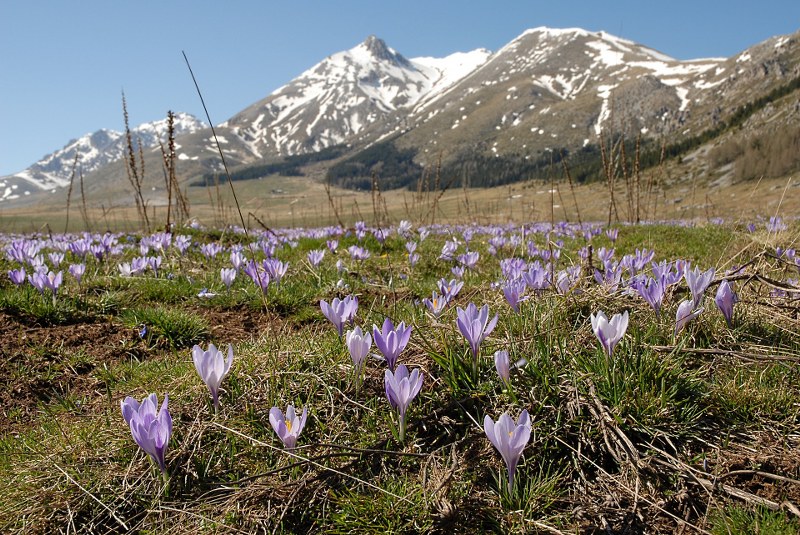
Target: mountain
557,91
95,151
493,118
339,97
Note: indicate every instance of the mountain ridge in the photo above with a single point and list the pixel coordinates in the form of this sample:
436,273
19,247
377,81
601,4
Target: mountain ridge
546,91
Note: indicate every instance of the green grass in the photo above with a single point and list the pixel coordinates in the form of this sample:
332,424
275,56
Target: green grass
610,435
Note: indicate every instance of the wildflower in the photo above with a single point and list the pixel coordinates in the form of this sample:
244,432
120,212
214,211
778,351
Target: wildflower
227,275
182,243
725,299
154,263
17,276
652,291
697,282
609,332
686,313
238,260
358,253
315,257
404,228
56,259
536,277
206,294
503,366
475,326
514,293
288,427
449,289
77,271
391,340
469,260
401,388
340,311
51,281
212,367
448,250
435,304
125,269
210,250
509,439
358,344
150,429
276,269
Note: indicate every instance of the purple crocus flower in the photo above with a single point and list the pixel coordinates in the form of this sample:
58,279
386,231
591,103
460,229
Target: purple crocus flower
469,260
391,340
697,282
404,228
288,427
503,365
514,293
150,429
212,367
210,250
17,276
315,257
537,277
652,291
237,260
475,325
449,289
358,253
77,271
609,332
509,438
227,275
340,311
276,269
138,265
435,304
358,344
448,250
51,281
725,299
56,259
401,388
686,313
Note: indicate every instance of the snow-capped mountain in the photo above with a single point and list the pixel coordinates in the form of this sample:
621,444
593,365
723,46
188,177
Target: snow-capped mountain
342,95
546,91
94,150
562,88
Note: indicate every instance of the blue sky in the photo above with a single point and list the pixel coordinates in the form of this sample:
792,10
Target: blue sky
64,64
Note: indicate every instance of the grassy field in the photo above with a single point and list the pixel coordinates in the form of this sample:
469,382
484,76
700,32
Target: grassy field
692,432
277,201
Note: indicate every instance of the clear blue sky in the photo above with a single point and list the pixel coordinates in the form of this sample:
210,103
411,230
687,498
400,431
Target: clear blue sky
63,64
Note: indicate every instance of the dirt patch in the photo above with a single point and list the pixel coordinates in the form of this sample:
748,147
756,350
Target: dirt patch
44,365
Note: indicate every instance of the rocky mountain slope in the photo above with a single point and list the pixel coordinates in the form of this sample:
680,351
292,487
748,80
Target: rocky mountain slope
95,151
487,118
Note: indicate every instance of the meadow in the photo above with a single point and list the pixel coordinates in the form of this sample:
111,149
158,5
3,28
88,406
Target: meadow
636,378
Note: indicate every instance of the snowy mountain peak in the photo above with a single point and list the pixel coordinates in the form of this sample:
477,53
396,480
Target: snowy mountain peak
343,95
93,151
378,49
